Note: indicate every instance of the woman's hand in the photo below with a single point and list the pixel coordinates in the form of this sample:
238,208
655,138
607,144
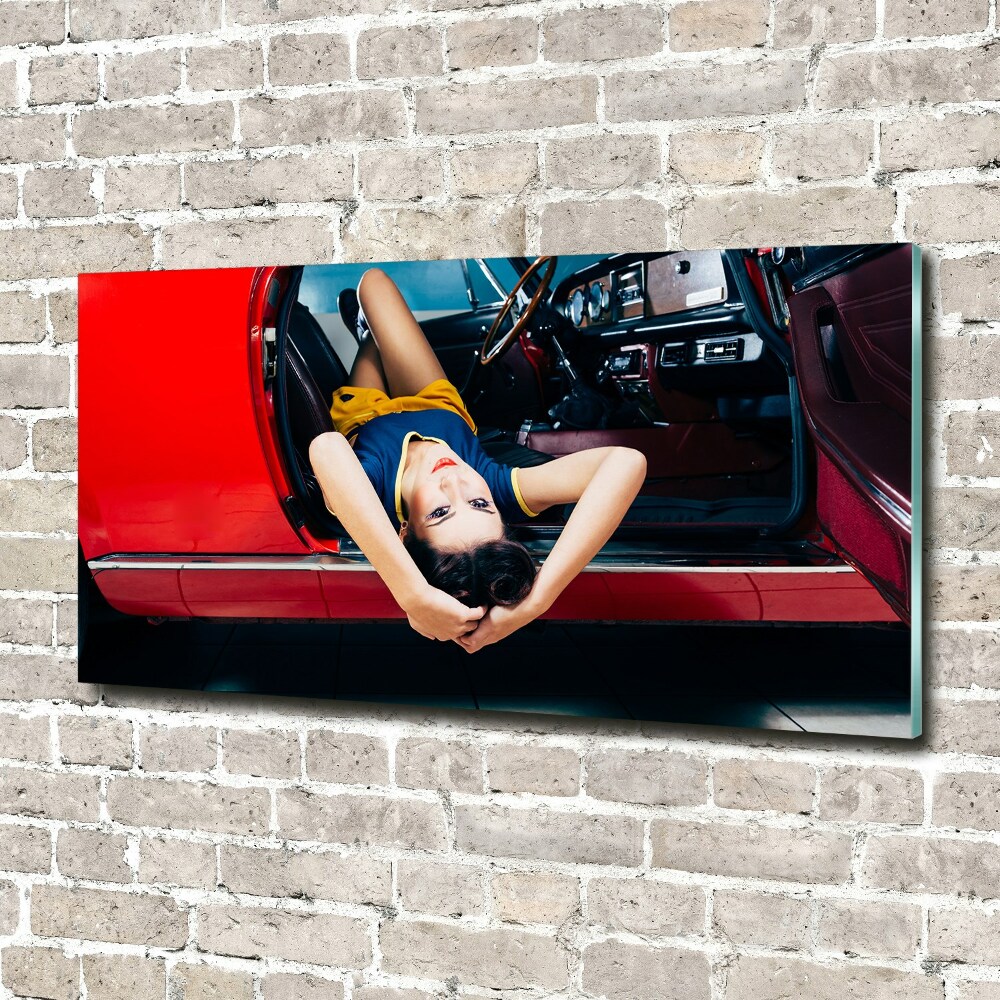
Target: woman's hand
437,615
498,623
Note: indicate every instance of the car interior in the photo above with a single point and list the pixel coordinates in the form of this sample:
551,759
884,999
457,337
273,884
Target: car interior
669,353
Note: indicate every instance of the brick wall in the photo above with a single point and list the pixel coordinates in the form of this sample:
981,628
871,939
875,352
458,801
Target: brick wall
180,845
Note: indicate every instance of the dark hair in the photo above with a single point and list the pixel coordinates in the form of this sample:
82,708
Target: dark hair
497,572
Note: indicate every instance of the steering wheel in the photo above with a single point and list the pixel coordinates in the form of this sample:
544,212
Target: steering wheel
497,344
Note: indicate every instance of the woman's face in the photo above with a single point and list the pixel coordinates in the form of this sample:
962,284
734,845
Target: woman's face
448,503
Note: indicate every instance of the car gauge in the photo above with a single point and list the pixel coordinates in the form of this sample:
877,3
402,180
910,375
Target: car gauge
596,300
576,307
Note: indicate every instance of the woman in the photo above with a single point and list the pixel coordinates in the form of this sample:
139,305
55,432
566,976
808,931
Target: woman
407,479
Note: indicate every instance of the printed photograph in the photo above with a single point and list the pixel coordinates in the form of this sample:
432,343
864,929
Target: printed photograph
672,487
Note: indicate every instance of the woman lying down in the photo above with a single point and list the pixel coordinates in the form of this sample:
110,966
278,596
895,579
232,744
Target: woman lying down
408,480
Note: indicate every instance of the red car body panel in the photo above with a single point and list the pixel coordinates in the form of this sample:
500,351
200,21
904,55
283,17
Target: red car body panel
179,462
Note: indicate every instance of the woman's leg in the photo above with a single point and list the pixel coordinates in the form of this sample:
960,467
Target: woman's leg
408,362
367,369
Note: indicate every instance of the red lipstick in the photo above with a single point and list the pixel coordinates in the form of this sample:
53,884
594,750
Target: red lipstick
441,463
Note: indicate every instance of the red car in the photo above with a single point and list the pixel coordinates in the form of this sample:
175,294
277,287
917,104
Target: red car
770,390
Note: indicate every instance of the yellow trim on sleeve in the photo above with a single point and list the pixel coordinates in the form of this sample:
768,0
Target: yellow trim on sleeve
517,492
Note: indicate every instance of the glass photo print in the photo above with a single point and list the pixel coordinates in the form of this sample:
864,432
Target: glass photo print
678,486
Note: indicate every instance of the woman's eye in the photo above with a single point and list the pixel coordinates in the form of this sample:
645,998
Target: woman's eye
480,502
439,512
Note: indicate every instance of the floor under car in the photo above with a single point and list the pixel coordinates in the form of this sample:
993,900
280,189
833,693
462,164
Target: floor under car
713,474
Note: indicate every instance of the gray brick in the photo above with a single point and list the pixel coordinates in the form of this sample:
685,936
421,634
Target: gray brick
579,227
871,795
824,151
23,318
293,178
868,928
267,12
13,442
24,676
294,60
967,800
972,443
105,915
91,19
646,906
264,753
604,161
93,854
620,970
31,21
10,907
766,978
41,972
142,187
39,564
490,958
963,518
768,920
59,193
404,50
27,792
8,196
365,819
971,286
963,593
448,890
784,786
38,504
142,74
661,778
353,114
599,33
964,727
175,128
24,621
717,24
807,22
506,104
932,864
302,986
963,366
57,251
8,85
548,835
123,977
177,748
976,990
917,18
235,66
96,739
428,763
266,932
247,242
962,658
194,982
61,79
953,213
805,215
539,770
480,171
508,41
182,805
62,315
906,76
464,230
963,935
751,850
25,848
347,758
344,877
30,138
535,897
933,142
716,157
169,861
675,92
401,174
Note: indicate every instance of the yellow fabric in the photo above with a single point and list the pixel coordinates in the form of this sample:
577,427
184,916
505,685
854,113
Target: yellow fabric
517,492
365,403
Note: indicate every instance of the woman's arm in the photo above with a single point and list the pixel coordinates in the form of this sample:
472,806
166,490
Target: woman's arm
348,491
603,482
